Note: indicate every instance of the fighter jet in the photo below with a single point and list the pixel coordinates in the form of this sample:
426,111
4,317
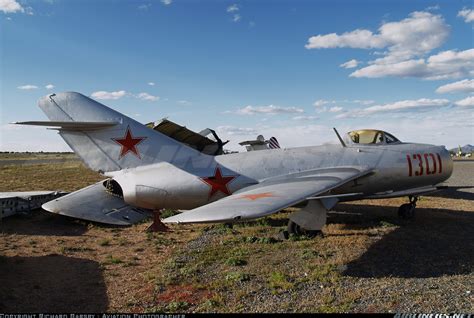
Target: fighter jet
148,170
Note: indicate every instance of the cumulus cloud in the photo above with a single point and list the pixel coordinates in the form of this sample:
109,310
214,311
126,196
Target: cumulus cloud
350,64
27,87
10,6
467,14
167,2
49,86
147,97
464,86
236,18
444,65
269,110
468,101
151,83
231,130
418,34
108,95
404,44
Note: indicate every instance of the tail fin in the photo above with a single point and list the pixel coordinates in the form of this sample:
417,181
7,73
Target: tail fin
273,143
123,143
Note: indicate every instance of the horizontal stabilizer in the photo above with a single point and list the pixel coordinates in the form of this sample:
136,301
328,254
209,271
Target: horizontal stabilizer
71,125
94,203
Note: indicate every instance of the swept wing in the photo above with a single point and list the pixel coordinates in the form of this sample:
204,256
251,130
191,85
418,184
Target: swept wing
270,196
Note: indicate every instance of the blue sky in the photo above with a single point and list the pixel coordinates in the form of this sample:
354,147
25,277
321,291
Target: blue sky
291,69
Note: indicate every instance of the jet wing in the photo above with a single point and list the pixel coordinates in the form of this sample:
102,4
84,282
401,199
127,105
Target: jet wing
270,196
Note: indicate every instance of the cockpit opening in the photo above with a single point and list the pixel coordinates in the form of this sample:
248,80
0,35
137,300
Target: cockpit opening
371,137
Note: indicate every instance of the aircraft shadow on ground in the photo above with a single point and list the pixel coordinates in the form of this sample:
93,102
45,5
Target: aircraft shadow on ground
51,283
42,223
455,193
437,242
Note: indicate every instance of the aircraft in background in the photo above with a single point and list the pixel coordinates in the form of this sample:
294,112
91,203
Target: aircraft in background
148,170
260,144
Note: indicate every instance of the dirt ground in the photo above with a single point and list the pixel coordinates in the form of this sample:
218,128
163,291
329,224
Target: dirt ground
367,260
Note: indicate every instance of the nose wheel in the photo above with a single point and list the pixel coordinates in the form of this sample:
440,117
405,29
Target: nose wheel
407,211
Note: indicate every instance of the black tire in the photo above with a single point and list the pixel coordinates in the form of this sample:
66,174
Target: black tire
406,211
295,229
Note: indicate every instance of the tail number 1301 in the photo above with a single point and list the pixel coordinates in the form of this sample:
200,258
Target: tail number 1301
427,163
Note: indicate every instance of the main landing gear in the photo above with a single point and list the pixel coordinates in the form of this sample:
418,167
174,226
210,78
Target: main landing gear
296,229
407,211
157,225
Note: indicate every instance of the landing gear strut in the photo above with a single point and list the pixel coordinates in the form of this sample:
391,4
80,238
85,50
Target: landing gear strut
157,225
407,211
295,229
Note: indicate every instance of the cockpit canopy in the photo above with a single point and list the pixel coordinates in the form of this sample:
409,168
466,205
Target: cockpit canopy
371,137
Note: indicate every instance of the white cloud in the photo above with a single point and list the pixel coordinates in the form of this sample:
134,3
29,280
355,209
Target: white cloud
405,43
350,64
467,14
236,18
233,8
270,110
167,2
151,83
234,11
399,106
305,118
10,6
407,105
363,102
27,87
144,6
49,86
335,109
231,130
108,95
322,102
359,39
418,34
444,65
433,8
465,86
468,101
148,97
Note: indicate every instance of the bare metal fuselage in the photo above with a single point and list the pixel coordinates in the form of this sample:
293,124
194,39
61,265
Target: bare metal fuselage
395,167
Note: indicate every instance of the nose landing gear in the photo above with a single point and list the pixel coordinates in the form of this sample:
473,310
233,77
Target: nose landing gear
407,211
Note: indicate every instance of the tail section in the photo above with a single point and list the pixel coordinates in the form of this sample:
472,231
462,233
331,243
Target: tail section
107,140
273,143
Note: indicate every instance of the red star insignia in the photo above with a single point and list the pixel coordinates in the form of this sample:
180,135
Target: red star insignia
129,143
218,182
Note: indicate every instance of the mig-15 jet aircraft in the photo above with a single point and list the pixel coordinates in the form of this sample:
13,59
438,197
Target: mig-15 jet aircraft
148,170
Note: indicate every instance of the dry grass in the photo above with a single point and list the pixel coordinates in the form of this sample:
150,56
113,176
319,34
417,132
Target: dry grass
68,176
37,155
